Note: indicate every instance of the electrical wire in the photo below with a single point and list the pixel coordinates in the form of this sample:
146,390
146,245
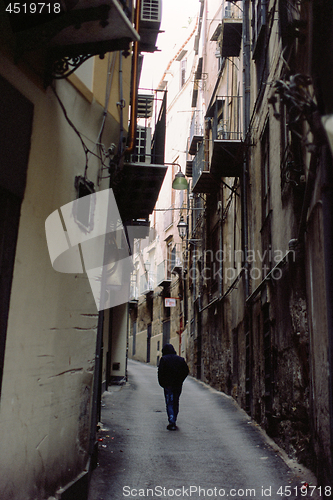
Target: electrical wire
88,152
85,148
111,65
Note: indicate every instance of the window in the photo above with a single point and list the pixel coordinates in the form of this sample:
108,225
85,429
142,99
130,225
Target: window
266,234
259,47
265,173
269,376
213,263
259,15
182,72
169,257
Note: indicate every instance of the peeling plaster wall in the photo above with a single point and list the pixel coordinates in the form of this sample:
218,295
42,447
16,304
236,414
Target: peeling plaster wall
279,349
319,344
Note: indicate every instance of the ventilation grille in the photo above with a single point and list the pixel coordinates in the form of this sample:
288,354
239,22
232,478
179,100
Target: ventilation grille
151,10
142,151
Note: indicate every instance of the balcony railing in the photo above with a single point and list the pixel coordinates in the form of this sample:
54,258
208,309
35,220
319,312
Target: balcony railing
147,176
198,165
196,131
163,276
232,11
134,294
226,112
227,150
147,283
203,181
176,258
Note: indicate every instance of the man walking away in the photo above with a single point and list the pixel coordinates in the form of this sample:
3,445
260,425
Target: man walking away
172,371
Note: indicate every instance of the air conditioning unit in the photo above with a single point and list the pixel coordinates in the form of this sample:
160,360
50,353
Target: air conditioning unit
151,11
150,22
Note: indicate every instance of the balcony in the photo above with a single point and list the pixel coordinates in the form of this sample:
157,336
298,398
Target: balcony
163,277
196,131
227,148
147,283
136,195
203,180
66,36
134,294
137,183
230,39
176,259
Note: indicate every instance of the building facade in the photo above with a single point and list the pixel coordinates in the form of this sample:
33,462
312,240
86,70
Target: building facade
260,322
256,285
158,258
68,82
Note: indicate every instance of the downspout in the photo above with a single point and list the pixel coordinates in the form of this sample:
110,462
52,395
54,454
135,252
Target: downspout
134,83
121,105
186,256
246,117
221,246
327,199
95,404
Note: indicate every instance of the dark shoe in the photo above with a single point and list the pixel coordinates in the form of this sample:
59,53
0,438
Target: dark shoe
172,427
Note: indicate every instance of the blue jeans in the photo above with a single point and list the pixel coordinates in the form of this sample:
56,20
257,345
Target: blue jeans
172,395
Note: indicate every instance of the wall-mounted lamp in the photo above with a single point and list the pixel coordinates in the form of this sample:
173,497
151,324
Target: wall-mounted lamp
179,181
147,266
182,228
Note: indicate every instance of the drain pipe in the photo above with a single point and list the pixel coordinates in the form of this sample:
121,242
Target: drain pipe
221,244
327,204
134,83
246,118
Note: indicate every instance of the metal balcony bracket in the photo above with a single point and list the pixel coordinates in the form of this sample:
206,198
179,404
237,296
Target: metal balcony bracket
64,67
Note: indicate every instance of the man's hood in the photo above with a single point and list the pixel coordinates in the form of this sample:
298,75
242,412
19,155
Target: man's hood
168,349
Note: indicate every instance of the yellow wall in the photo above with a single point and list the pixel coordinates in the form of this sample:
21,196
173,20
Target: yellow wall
52,324
110,65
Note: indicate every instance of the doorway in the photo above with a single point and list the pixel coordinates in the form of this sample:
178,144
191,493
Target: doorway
15,133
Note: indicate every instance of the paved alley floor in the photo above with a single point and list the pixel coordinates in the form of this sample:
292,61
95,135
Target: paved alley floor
217,452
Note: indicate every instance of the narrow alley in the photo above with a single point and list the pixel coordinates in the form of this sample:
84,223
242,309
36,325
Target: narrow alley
217,451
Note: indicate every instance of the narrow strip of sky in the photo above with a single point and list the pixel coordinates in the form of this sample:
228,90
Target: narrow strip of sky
175,20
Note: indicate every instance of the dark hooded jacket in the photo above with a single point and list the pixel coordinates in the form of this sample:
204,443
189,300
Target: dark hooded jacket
172,370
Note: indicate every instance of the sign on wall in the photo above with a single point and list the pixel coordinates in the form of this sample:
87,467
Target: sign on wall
168,302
